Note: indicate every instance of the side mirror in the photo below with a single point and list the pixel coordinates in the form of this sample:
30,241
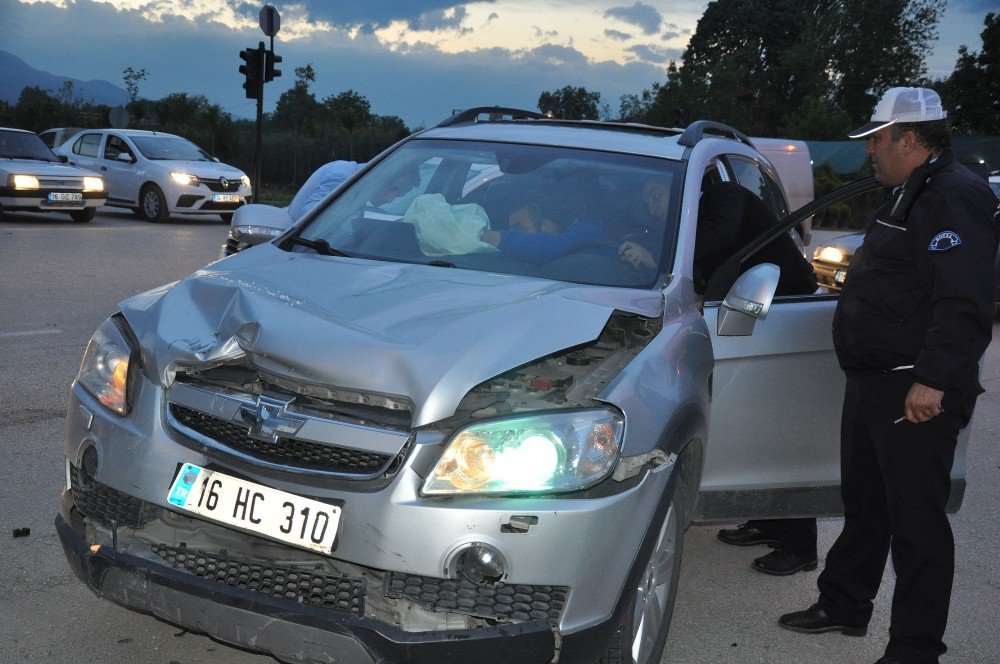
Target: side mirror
216,160
255,224
748,299
63,158
125,157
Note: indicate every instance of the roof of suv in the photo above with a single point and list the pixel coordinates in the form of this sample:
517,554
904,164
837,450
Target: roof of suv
519,126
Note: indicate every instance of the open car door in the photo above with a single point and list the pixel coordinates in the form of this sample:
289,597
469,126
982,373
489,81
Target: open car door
777,392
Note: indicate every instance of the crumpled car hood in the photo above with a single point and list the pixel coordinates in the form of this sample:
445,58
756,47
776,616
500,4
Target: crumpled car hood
427,333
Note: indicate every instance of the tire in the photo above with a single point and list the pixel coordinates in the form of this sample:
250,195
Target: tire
153,204
642,634
227,217
83,216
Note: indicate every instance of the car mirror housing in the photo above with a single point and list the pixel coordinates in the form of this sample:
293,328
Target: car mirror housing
63,158
256,224
748,299
125,157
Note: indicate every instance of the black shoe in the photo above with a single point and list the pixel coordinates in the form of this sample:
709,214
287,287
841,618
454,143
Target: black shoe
815,621
783,563
745,535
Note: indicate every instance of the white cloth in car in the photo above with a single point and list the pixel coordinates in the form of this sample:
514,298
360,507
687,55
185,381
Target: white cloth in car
443,229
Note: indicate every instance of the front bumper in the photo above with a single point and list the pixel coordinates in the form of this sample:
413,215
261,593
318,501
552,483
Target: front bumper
198,198
288,630
36,200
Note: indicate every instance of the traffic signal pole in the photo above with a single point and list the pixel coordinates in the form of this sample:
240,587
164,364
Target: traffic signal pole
258,70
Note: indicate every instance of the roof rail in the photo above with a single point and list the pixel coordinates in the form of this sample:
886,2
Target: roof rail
495,112
698,130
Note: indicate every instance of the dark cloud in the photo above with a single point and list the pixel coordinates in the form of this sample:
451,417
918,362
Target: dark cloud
378,14
670,34
654,53
492,17
617,34
544,34
645,17
441,19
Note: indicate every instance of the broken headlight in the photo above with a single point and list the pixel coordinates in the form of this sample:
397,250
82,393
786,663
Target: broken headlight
104,371
539,453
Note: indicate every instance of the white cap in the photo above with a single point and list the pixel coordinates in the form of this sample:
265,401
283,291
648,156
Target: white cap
903,105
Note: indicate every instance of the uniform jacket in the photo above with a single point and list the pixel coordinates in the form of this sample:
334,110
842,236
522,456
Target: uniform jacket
922,288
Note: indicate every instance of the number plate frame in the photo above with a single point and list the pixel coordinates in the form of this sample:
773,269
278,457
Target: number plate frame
286,517
62,196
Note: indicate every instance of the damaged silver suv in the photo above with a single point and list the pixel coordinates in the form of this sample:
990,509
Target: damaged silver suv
463,411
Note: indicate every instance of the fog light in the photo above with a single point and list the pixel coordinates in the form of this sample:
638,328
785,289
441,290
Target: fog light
88,466
480,563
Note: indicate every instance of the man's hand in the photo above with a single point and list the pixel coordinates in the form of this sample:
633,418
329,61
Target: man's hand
922,403
636,255
491,237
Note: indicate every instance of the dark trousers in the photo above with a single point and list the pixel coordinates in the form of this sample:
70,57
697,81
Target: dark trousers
793,535
895,481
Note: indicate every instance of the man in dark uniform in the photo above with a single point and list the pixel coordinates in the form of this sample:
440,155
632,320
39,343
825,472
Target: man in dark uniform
911,325
729,218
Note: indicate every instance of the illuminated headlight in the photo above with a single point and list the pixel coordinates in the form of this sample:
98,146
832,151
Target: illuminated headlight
183,178
104,371
24,181
828,254
93,184
245,180
543,453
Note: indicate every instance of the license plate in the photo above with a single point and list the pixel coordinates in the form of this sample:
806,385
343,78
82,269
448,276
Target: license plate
839,277
62,196
225,198
280,515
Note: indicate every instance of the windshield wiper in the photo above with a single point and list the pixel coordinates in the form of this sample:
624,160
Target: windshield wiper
440,264
320,246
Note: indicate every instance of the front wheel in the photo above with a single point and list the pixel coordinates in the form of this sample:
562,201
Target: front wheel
83,216
642,634
153,204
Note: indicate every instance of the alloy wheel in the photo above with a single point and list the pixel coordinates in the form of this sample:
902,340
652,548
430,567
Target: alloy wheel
653,595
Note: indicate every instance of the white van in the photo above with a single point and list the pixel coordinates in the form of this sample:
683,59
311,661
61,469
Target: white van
794,165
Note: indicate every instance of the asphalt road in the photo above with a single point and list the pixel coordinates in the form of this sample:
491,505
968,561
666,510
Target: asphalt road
59,280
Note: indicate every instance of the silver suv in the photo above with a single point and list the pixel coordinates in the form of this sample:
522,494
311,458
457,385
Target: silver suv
416,428
156,174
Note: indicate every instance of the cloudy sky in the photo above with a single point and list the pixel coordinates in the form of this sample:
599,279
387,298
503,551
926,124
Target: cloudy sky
418,59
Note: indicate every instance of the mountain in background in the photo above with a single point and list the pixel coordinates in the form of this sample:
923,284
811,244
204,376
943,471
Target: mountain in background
16,74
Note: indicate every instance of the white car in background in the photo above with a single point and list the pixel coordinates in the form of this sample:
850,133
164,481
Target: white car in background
33,180
53,138
156,174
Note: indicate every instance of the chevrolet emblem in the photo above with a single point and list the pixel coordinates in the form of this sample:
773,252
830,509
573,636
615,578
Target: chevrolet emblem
269,421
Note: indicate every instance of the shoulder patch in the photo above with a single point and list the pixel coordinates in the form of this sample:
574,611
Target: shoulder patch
944,241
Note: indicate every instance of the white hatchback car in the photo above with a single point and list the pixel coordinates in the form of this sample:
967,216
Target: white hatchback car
157,174
33,180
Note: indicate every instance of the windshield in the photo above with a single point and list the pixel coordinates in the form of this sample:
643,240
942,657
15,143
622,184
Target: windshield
559,213
169,147
22,145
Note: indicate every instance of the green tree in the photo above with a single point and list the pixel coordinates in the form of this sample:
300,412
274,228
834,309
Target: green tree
297,108
972,92
570,103
132,78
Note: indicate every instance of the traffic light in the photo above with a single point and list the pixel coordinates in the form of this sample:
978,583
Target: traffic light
253,85
271,59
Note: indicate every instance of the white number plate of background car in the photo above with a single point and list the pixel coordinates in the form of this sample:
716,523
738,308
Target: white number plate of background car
292,519
225,198
60,196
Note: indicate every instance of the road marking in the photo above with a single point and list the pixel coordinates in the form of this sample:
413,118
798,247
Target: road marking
28,333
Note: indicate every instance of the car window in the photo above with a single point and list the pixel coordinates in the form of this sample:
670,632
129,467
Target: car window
49,138
22,145
87,145
557,213
749,174
115,146
169,147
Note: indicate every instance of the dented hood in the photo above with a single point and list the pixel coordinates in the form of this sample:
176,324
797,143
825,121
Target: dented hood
429,334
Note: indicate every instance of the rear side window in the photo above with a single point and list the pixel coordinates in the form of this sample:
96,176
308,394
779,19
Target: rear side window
87,145
749,174
49,138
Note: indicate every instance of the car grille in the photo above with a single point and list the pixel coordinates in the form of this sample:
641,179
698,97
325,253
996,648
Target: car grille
62,184
102,503
262,576
501,602
290,451
215,185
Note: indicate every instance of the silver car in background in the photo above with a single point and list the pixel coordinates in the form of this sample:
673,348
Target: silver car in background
156,174
379,438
